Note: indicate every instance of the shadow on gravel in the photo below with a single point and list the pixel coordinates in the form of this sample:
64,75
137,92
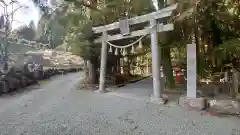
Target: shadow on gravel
30,88
20,92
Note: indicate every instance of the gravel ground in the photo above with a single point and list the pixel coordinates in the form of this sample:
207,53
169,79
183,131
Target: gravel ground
55,108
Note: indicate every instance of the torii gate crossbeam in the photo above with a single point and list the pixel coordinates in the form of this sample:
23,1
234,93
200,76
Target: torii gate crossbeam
154,28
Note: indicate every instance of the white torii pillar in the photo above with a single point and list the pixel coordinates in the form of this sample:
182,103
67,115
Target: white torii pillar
103,67
155,61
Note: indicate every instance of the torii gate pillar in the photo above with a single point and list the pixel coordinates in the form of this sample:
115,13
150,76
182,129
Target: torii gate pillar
152,17
155,60
103,63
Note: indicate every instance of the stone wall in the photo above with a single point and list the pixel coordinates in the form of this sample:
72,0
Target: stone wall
32,51
19,48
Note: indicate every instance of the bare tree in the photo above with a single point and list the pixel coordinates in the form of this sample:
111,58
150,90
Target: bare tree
9,9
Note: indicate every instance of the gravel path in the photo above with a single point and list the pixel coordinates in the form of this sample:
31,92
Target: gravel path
55,108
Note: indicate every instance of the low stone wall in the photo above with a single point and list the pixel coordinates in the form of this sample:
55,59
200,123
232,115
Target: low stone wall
226,106
17,79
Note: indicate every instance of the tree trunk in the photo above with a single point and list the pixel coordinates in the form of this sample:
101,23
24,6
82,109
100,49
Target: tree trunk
85,69
128,67
116,67
92,72
165,51
92,63
235,83
112,64
167,66
214,40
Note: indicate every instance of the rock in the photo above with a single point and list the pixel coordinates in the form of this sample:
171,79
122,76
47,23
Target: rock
238,97
159,101
208,90
197,103
225,106
4,87
11,82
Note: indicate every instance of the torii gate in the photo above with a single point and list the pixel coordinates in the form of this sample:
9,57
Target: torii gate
154,28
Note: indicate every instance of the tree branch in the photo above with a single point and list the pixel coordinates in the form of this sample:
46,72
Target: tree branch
15,10
3,2
85,4
2,6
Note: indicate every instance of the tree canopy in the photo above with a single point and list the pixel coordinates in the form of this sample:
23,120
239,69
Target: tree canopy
27,32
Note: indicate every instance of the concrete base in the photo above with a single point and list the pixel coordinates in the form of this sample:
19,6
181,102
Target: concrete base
101,91
196,103
161,101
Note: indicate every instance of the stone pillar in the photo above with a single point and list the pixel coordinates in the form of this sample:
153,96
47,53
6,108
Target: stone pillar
191,70
155,61
191,99
103,63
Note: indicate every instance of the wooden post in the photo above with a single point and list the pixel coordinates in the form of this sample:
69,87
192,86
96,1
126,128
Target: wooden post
103,63
155,60
191,70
